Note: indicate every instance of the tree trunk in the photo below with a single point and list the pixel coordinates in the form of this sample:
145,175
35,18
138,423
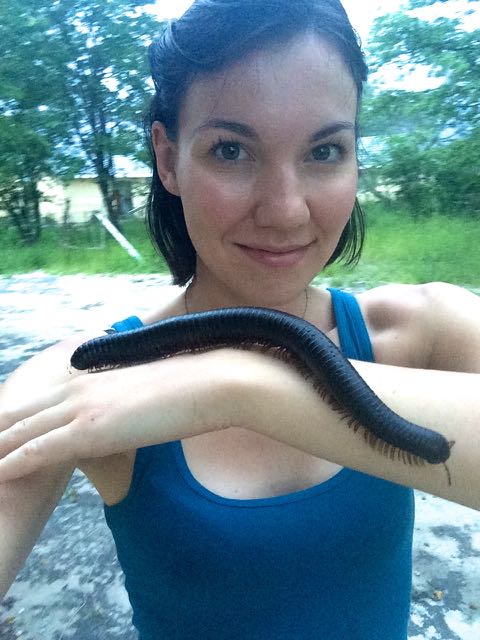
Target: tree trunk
23,207
106,184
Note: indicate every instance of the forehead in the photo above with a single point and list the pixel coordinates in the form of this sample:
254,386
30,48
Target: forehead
304,83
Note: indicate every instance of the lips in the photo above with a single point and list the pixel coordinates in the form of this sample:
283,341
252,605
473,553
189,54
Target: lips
295,247
276,256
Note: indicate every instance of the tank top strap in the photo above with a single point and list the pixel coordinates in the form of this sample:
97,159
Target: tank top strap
132,322
352,331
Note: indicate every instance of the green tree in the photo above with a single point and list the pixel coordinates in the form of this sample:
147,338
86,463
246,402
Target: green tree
25,147
430,152
73,86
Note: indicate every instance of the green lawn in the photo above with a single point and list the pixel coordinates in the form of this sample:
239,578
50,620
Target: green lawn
88,250
398,249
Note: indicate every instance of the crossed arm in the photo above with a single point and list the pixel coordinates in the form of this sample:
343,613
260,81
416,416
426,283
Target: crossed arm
96,415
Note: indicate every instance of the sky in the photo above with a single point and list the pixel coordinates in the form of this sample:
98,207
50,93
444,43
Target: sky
361,14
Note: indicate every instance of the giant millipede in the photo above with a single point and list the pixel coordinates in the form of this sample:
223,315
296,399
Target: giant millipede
286,336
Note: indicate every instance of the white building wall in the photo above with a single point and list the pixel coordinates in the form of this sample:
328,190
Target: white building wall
82,198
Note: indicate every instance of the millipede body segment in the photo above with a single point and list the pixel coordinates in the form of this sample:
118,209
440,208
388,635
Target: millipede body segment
296,340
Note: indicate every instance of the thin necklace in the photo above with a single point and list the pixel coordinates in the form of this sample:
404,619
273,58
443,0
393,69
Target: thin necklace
187,310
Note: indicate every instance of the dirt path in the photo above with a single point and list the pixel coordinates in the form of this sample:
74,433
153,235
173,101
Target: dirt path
71,586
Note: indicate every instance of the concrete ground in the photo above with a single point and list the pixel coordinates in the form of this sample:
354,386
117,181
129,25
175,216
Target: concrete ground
71,586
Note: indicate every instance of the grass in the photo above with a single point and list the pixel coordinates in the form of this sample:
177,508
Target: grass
82,249
398,249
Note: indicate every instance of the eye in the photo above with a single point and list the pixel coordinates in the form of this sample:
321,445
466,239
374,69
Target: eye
229,151
327,153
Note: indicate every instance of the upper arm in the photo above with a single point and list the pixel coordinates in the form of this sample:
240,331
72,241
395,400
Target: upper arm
393,314
427,326
453,318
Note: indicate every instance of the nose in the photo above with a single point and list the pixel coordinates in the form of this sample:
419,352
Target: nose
281,199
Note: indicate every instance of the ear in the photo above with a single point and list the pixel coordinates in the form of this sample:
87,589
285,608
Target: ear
165,156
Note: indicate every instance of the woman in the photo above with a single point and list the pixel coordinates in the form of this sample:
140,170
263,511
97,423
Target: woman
227,479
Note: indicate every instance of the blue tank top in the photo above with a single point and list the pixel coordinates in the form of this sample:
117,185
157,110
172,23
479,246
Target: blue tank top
330,562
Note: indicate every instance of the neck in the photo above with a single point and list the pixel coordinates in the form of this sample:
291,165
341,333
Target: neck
194,301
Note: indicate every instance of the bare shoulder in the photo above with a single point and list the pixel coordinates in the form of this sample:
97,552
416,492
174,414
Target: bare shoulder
453,317
434,325
392,304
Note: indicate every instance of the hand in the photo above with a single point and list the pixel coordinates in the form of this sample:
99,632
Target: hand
98,414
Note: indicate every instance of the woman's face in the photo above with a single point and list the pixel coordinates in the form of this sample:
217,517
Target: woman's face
265,165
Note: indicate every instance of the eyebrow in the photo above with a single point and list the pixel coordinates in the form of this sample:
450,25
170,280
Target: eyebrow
331,129
248,132
235,127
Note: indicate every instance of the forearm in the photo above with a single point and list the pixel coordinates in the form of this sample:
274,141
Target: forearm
25,506
275,401
100,414
96,415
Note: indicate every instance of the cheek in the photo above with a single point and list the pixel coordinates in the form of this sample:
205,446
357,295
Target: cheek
211,199
335,201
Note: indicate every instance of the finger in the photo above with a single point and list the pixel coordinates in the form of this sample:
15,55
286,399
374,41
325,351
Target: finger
32,427
30,407
49,449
